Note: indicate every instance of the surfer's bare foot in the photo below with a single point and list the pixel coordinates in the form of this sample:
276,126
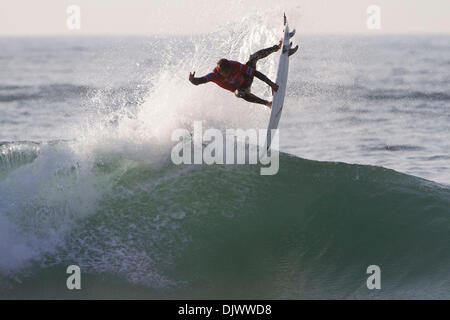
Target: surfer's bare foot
274,88
269,104
279,44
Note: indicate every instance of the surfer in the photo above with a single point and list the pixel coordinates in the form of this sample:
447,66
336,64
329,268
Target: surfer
238,78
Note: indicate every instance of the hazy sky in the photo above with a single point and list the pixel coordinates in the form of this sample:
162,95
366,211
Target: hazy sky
31,17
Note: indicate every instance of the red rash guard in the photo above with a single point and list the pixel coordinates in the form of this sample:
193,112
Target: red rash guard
234,80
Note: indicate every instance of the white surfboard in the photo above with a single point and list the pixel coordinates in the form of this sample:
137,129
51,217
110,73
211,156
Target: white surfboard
281,81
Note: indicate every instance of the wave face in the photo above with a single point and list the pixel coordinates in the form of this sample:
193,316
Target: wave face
157,230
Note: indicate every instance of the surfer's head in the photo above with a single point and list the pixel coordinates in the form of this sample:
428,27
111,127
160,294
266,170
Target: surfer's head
224,67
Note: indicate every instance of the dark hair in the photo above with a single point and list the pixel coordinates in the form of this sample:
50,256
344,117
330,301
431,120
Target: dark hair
224,64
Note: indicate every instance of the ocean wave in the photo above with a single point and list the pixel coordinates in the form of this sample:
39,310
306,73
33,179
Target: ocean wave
119,97
312,89
226,231
16,154
11,93
391,94
395,148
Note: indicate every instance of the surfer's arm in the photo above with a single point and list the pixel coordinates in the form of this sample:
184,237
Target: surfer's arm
200,80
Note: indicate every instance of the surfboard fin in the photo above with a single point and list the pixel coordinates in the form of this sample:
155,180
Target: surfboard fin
292,33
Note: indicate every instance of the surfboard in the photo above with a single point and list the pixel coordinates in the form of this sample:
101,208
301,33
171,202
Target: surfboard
281,81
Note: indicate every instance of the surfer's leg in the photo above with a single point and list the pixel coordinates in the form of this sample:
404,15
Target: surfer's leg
250,97
262,77
261,54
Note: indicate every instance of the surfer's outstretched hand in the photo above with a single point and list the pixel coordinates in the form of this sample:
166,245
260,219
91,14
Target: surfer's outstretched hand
191,76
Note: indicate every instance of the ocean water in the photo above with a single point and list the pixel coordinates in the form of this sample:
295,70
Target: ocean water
86,176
